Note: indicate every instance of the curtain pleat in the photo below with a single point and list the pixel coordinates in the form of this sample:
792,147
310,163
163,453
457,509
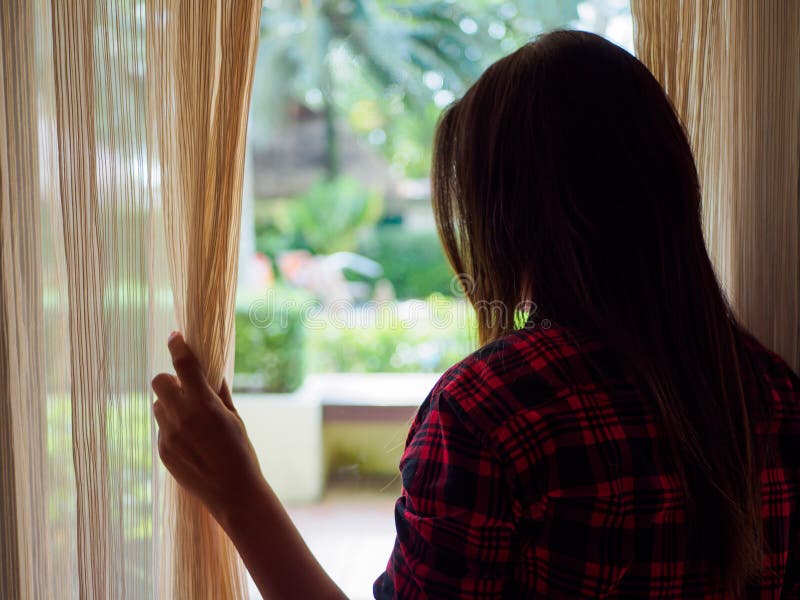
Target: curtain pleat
205,83
122,129
87,281
732,70
23,468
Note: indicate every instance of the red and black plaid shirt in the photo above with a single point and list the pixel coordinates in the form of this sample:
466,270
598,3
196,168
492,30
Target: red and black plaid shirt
527,474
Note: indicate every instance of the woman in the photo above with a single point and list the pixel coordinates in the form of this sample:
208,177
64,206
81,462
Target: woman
630,440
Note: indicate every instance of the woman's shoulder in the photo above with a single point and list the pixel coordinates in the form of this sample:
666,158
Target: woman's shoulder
523,371
780,379
774,367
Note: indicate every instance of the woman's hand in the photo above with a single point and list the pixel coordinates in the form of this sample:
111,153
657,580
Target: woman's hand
201,438
203,443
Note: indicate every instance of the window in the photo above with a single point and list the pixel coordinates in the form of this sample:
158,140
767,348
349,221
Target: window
347,309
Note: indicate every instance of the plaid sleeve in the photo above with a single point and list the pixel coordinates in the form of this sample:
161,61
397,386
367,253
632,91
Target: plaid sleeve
454,518
780,510
784,389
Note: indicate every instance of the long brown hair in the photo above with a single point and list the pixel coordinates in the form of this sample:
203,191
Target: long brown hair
564,177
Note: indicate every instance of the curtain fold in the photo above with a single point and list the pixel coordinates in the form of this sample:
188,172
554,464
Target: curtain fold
732,70
205,84
24,565
122,131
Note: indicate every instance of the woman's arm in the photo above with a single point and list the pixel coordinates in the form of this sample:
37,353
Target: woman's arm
203,443
273,550
456,526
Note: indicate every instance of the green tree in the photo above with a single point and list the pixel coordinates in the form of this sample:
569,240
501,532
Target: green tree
331,216
385,66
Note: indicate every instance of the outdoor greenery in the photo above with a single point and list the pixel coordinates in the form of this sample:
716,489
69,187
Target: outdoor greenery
286,334
387,67
428,343
331,216
379,71
270,350
412,260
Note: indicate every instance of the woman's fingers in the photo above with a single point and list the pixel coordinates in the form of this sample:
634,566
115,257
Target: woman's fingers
188,368
165,385
167,389
160,413
176,452
225,396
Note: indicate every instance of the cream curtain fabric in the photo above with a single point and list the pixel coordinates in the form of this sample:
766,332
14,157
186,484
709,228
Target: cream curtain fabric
200,92
122,128
732,70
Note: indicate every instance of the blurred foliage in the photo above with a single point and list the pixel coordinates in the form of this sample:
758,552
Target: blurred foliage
412,260
330,217
440,334
270,352
283,335
387,66
385,69
339,216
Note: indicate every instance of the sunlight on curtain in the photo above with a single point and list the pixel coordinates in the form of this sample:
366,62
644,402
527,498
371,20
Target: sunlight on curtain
732,69
200,92
122,128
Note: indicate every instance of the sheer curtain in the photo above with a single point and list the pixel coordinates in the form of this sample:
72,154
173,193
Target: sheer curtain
122,128
200,87
732,69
